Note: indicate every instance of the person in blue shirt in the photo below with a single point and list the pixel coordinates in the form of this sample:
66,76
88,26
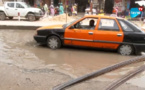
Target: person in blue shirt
61,9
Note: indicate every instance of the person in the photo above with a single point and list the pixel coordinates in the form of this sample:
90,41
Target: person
45,10
102,10
74,9
115,11
52,9
70,10
56,11
91,24
61,9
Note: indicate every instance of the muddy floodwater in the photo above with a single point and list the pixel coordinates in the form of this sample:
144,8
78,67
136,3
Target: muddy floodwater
19,50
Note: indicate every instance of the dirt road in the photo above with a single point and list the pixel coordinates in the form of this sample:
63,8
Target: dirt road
26,65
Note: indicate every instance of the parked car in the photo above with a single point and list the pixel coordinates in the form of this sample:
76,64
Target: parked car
15,9
87,11
97,32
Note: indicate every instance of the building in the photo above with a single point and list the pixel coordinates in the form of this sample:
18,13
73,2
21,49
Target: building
82,4
1,2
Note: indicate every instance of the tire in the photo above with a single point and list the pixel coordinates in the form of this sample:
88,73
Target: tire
31,17
53,42
2,16
10,18
37,18
126,50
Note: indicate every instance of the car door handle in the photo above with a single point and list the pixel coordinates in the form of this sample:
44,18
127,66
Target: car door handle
119,35
15,9
90,33
7,8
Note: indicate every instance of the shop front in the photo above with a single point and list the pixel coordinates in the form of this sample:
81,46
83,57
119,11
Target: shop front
120,5
81,4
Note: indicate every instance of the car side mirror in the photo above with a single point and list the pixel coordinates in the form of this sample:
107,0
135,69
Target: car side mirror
72,27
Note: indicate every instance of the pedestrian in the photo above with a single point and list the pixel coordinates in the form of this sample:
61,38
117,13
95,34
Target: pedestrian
61,9
74,9
46,10
70,10
52,9
115,11
56,11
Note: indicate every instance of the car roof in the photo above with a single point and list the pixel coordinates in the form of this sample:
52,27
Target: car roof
100,16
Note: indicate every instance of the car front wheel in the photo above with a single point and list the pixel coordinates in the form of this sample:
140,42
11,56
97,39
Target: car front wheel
126,50
53,42
31,17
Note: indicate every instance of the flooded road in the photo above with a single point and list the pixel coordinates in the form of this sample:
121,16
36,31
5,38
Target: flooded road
19,48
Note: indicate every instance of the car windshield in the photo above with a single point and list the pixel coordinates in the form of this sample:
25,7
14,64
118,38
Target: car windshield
66,25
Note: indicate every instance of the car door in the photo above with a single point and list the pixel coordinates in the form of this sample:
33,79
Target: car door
109,34
10,9
20,9
80,33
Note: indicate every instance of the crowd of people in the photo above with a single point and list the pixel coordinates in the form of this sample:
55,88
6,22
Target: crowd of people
51,10
58,10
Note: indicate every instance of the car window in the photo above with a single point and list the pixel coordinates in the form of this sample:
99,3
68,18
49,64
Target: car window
86,24
108,25
125,27
19,5
11,5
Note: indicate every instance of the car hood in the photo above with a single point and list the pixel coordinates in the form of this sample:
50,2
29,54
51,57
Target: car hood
51,27
34,9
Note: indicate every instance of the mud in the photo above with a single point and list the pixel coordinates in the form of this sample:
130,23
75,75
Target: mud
26,65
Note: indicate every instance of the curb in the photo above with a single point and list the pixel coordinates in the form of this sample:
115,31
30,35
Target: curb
19,27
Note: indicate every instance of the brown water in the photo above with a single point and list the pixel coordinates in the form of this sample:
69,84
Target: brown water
70,60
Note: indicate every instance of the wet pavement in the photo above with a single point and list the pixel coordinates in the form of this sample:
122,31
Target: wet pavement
25,63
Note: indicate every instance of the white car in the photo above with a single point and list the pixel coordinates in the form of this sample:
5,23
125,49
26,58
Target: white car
87,11
15,9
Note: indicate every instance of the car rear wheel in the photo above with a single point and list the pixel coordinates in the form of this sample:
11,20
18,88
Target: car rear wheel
53,42
31,17
2,16
126,50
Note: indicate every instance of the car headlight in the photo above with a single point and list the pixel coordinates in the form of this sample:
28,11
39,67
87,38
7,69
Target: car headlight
36,11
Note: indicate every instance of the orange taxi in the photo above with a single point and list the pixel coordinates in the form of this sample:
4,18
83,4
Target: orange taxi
97,32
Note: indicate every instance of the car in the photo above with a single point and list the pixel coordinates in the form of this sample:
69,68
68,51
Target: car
95,31
14,9
87,11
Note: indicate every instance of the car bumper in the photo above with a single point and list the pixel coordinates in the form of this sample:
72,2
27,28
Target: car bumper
40,39
139,48
38,15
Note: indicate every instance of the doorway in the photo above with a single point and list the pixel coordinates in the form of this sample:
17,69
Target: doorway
82,5
56,2
31,2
